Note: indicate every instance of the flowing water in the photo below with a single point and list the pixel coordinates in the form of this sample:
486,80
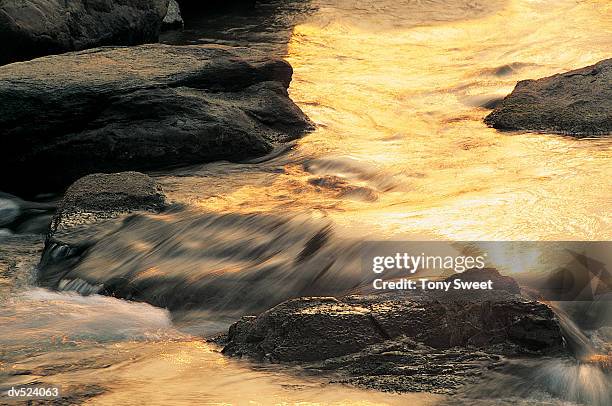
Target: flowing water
398,90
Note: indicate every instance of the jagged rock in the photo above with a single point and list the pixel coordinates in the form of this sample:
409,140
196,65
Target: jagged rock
144,107
173,18
578,103
29,29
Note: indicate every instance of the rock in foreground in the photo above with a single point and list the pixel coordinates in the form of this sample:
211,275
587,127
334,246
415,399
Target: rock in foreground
421,342
29,29
577,103
145,107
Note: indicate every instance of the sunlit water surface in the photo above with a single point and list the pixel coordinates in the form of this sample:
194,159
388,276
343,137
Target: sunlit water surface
400,151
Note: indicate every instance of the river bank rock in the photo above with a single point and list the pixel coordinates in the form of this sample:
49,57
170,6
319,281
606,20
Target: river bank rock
139,108
417,341
30,29
86,209
577,103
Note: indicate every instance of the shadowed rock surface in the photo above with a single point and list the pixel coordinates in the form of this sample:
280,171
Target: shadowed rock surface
145,107
29,29
422,341
577,103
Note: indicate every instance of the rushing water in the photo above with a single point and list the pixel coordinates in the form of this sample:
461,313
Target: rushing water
396,89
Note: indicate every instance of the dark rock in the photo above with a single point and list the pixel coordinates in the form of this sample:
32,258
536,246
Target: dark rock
306,329
577,103
423,342
29,29
145,107
103,195
88,206
404,365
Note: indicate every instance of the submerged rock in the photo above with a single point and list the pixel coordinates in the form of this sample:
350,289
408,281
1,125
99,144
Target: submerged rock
577,103
423,341
29,29
144,107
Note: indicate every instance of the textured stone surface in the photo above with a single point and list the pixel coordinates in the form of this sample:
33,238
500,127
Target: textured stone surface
33,28
101,195
422,341
83,216
578,103
144,107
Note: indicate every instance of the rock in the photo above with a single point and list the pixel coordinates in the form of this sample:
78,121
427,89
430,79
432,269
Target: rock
88,206
306,329
173,18
34,28
577,103
138,108
423,341
404,365
103,195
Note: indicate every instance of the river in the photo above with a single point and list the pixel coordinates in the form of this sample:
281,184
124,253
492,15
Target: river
396,89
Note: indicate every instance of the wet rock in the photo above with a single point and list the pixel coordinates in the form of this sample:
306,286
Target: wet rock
306,329
30,29
404,365
89,205
103,195
577,103
421,341
173,18
144,107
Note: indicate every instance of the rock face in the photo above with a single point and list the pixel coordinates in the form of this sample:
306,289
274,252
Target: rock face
29,29
578,103
421,341
89,203
144,107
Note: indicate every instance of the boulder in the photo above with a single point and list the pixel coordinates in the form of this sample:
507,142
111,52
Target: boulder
173,18
89,205
34,28
103,195
577,103
139,108
421,341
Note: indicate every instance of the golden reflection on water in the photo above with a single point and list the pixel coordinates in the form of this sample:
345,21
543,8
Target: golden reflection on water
401,101
184,369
